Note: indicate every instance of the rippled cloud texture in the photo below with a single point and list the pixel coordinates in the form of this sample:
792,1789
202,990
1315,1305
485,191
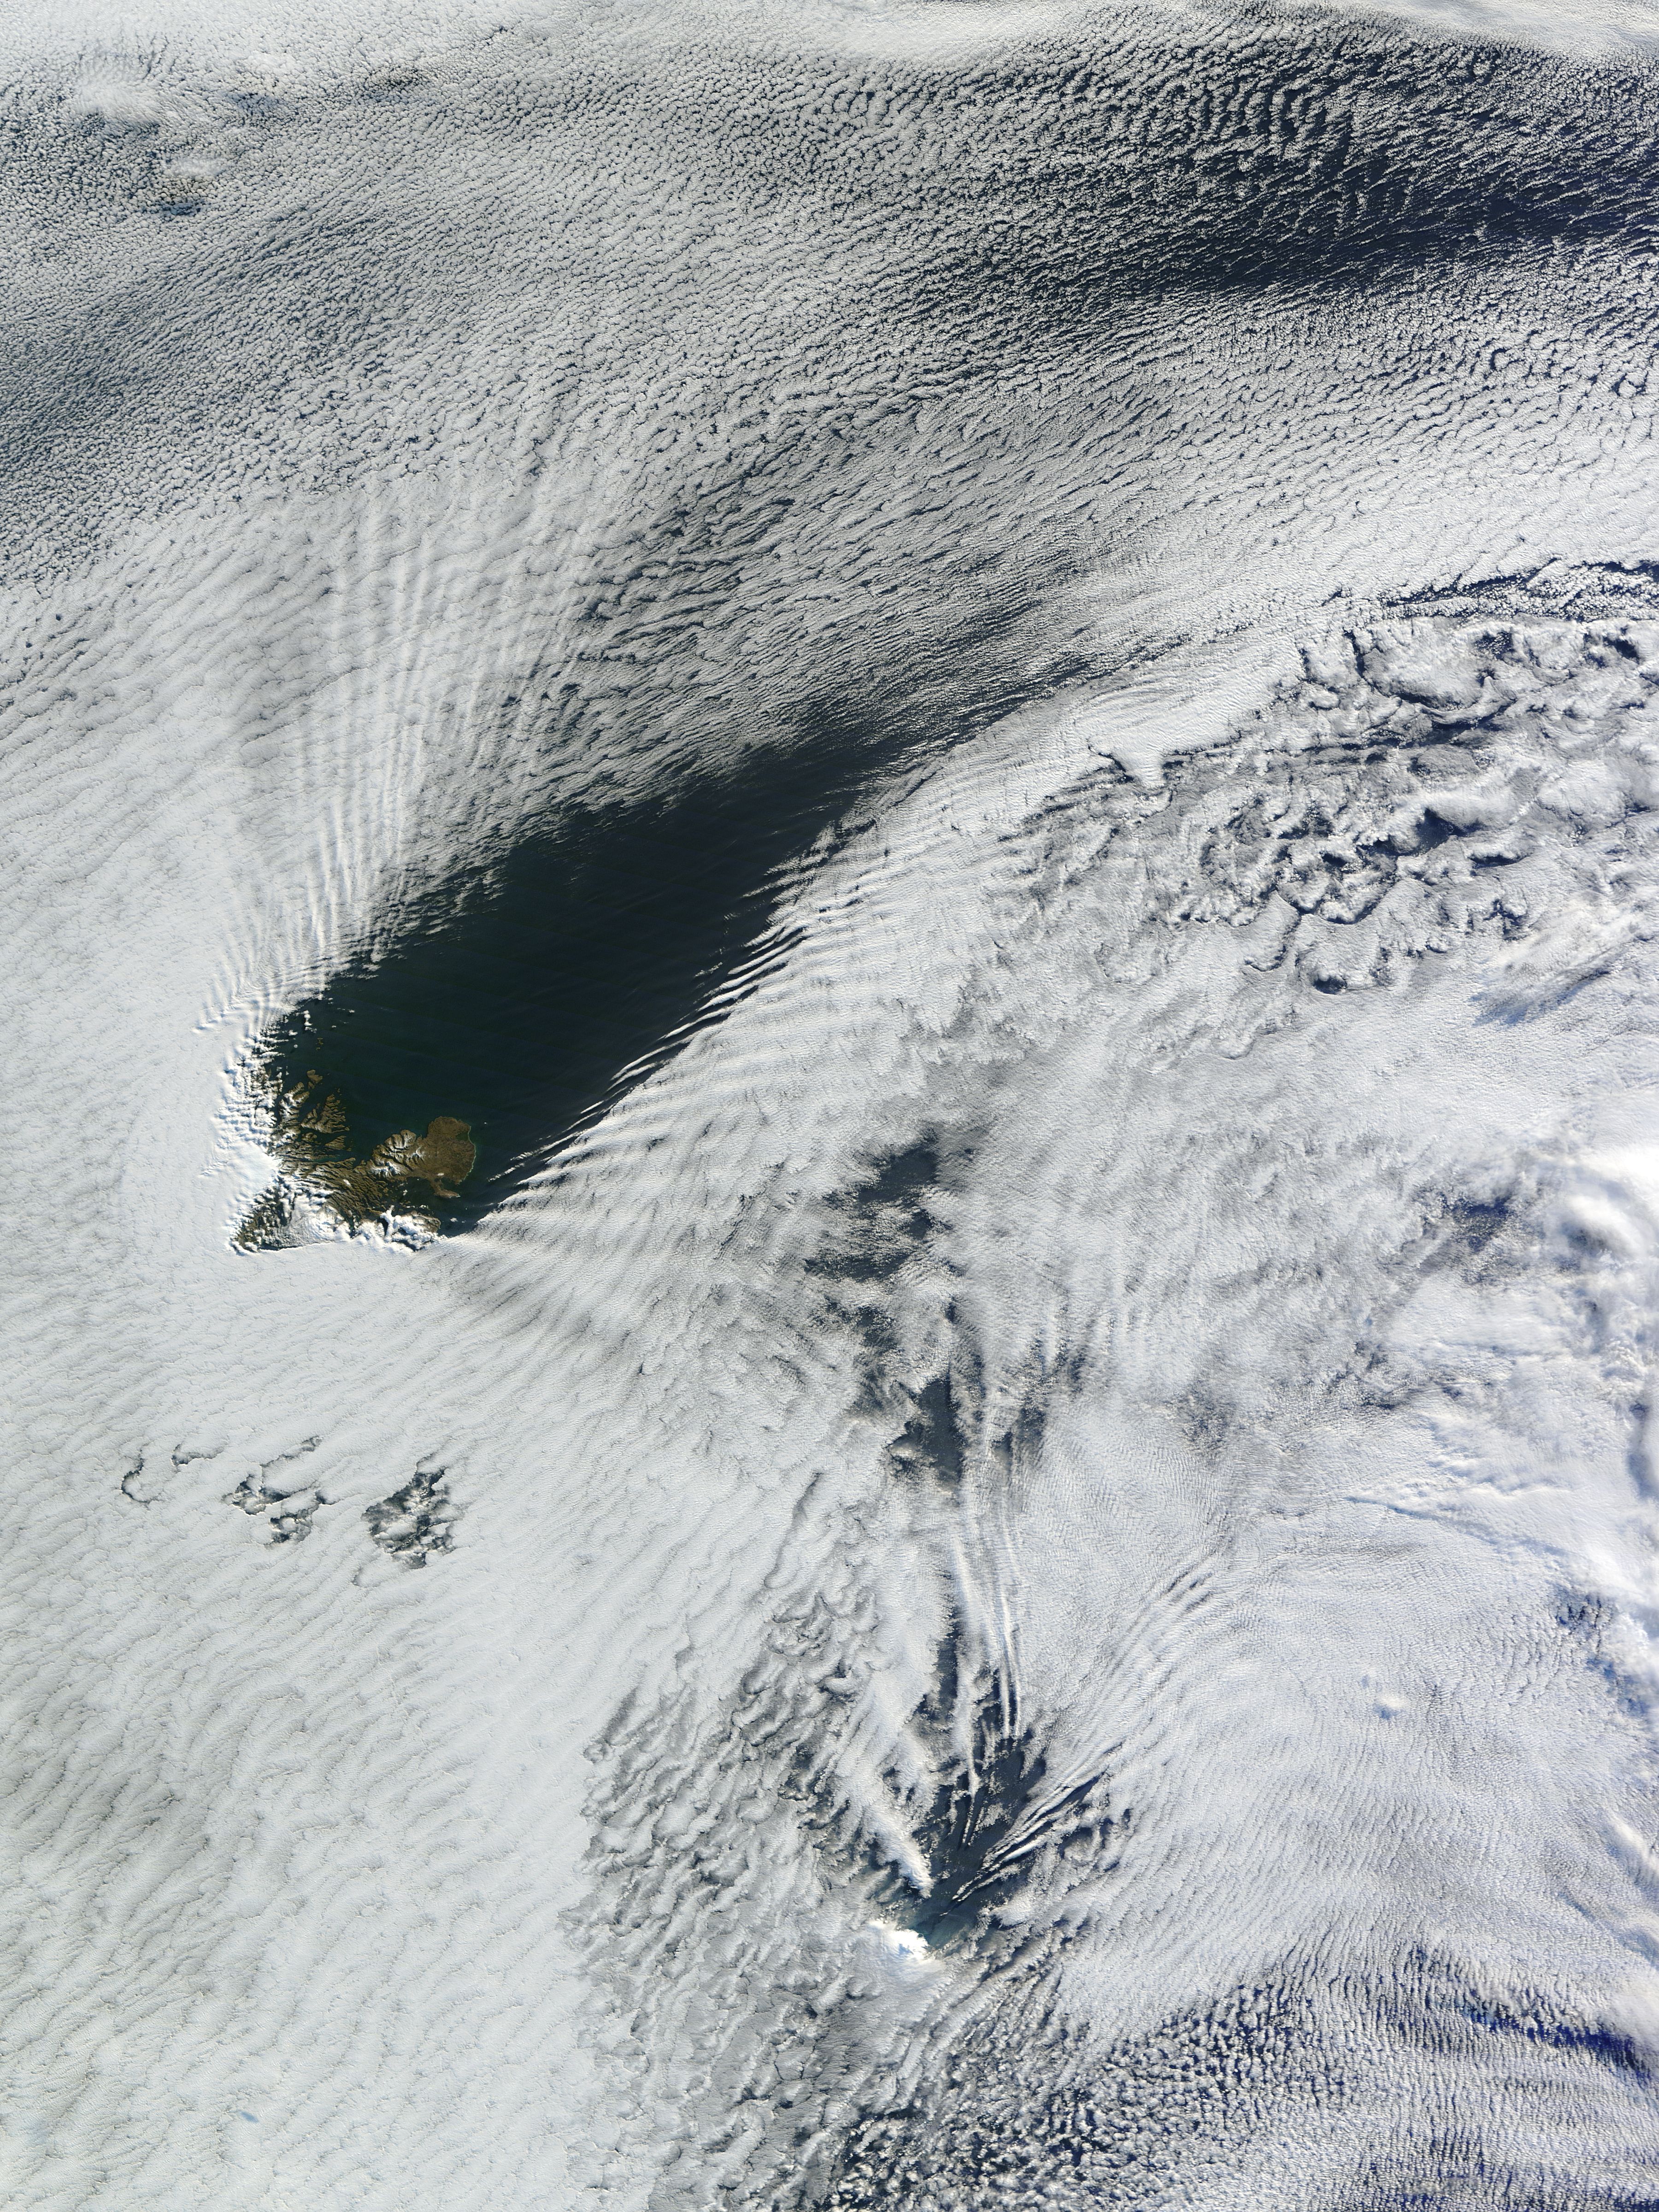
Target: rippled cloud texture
980,684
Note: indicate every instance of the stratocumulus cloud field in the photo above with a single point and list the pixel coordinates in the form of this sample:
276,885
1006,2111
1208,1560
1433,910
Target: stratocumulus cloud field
980,685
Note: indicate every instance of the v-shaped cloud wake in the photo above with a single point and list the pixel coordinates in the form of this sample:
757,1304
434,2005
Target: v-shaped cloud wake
938,728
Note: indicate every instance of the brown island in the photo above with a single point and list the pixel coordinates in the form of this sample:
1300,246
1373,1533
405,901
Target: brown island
308,1135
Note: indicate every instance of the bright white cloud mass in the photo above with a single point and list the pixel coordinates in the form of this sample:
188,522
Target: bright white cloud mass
833,1211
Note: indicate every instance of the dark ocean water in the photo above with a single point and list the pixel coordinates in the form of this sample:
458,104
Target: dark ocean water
518,999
